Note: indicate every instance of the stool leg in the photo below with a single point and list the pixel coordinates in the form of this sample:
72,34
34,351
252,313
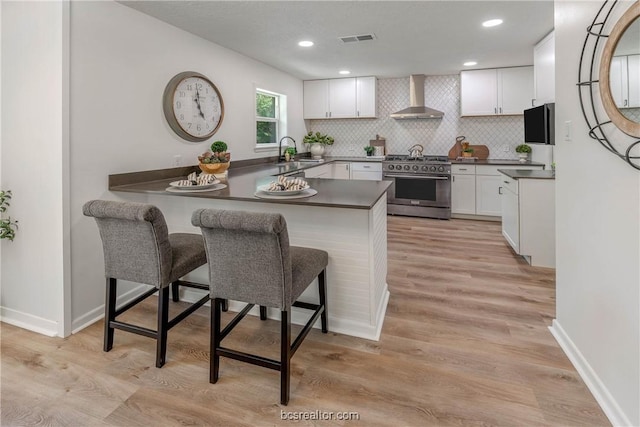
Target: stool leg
175,291
285,356
225,305
214,340
109,310
263,312
322,291
163,320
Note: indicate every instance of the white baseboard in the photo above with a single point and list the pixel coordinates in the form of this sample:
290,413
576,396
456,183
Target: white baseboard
97,313
607,402
29,322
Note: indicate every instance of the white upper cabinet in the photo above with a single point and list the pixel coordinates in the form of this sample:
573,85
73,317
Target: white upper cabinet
340,98
494,92
367,93
624,80
544,69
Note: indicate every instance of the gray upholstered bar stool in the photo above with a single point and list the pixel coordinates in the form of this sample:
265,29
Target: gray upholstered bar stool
250,260
138,248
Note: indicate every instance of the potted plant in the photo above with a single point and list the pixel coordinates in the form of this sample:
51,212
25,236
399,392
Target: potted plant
523,151
316,142
369,150
467,152
289,152
216,161
7,225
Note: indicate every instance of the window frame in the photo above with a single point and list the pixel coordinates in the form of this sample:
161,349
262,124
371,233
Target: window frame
278,119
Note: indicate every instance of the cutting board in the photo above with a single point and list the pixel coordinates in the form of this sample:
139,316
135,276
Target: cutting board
479,151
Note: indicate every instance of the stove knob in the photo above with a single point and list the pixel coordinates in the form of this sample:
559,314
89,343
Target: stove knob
415,168
441,169
433,168
390,167
407,167
425,168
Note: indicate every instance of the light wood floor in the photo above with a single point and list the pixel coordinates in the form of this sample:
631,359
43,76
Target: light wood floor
465,342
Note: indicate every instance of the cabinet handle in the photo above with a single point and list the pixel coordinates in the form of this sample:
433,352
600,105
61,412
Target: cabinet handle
462,169
499,190
506,182
329,113
347,166
625,102
533,100
358,113
500,110
495,110
366,167
453,178
326,114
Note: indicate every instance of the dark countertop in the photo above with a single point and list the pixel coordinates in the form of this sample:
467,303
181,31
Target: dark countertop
528,174
498,162
243,181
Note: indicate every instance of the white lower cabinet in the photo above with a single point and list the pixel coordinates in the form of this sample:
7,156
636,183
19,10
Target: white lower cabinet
528,219
463,189
340,170
476,189
366,170
320,171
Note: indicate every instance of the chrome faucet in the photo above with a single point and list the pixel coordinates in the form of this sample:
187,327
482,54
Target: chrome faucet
280,155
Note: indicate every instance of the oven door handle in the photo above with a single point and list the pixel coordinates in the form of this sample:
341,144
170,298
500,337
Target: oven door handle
417,177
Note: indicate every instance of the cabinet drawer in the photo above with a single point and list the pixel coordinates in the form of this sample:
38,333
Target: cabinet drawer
367,167
509,183
463,169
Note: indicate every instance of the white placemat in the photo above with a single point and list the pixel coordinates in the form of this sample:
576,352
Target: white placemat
306,193
200,190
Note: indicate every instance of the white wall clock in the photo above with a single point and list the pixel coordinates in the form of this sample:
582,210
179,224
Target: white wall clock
193,106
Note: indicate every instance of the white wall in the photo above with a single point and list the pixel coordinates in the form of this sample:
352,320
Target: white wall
598,240
33,143
121,61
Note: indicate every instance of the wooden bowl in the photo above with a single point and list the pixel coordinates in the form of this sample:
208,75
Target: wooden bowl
214,167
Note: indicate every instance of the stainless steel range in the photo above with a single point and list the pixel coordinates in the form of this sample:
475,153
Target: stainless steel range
421,185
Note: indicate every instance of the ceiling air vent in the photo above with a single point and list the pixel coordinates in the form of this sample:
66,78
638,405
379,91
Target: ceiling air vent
360,38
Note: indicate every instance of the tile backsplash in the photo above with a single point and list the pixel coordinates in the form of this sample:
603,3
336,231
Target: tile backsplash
500,134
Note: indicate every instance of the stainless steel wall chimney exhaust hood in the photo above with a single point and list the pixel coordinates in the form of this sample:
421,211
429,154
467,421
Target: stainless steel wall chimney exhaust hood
417,110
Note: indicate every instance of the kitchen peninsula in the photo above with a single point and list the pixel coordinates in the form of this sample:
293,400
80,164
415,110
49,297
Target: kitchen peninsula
347,218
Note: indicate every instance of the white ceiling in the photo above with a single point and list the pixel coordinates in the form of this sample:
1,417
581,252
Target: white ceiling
412,37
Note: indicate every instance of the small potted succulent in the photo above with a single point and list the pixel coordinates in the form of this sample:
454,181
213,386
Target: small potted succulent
369,150
316,142
215,161
523,151
467,152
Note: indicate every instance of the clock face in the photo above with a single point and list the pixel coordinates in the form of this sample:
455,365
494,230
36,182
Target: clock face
193,106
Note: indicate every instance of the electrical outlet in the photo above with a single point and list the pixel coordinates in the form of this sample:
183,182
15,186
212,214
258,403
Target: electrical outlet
567,130
177,160
505,148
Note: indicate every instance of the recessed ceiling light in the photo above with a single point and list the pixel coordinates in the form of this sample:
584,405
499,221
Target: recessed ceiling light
470,63
492,22
344,72
305,43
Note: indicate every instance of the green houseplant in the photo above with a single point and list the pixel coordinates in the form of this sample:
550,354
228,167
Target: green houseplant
369,150
7,225
317,142
289,152
523,151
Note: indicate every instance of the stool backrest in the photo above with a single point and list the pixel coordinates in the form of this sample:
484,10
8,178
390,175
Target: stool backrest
248,256
135,241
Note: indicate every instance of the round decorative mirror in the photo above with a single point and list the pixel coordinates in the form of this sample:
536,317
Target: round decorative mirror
620,73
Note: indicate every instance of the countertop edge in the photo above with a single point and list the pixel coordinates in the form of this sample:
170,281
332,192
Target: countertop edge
528,174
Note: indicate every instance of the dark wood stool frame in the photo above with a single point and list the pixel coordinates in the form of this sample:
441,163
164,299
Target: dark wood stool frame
164,324
287,350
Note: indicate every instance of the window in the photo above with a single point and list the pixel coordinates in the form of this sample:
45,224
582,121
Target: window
267,118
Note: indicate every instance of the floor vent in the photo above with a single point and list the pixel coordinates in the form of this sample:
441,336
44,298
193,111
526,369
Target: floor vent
360,38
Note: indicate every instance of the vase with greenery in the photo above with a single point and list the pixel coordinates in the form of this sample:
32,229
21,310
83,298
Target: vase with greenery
289,153
523,151
8,226
369,150
317,142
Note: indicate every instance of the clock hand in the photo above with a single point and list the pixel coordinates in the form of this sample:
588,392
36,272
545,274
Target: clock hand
197,99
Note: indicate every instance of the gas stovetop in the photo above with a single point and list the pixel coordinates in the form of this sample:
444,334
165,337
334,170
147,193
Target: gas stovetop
417,165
